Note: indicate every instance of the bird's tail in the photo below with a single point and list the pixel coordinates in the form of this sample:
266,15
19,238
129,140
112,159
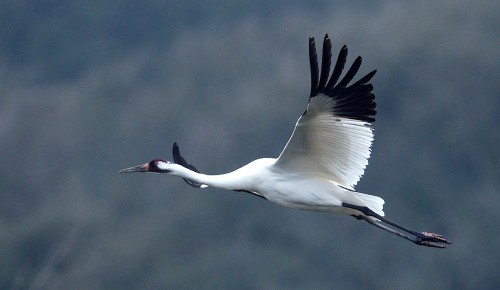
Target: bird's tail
373,202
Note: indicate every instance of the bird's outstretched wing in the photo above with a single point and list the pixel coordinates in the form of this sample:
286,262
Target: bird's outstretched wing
334,135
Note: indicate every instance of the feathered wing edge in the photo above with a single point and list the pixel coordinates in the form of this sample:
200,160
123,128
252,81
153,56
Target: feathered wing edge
181,161
334,134
355,101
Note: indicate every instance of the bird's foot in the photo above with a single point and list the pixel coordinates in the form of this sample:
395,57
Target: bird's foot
431,240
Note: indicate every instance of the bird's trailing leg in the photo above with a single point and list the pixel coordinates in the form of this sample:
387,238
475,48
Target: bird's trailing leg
419,238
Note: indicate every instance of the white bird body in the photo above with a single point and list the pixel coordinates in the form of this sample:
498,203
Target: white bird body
324,158
299,190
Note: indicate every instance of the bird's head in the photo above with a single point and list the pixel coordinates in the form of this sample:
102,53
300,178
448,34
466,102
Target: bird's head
154,166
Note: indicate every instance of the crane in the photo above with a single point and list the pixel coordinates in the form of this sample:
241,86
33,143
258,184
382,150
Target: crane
324,158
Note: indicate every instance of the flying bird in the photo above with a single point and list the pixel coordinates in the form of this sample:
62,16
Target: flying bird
324,158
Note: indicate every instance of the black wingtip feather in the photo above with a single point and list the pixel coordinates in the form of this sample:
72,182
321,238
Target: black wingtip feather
337,70
365,79
353,70
181,161
355,101
326,58
313,64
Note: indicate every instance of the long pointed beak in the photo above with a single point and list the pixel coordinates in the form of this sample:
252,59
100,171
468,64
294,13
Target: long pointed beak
138,168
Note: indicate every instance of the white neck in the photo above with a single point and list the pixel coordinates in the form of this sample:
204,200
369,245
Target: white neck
244,178
224,181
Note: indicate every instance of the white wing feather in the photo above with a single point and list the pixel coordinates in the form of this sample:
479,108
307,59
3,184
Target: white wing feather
323,143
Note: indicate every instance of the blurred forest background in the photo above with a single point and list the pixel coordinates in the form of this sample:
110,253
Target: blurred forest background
90,87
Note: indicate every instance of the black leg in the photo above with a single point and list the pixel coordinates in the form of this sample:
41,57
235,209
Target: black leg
421,239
